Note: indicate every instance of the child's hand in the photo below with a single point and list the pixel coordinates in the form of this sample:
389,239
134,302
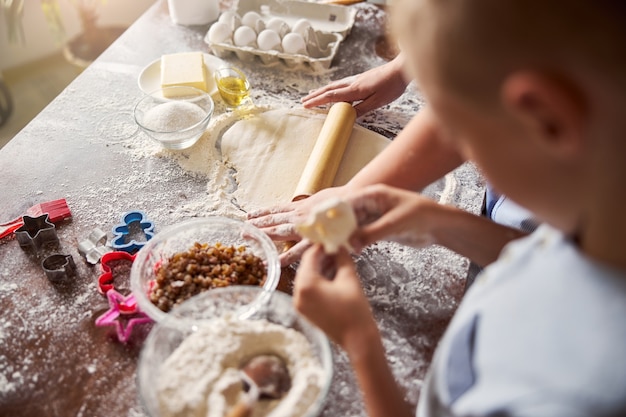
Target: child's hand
388,213
327,291
371,89
279,222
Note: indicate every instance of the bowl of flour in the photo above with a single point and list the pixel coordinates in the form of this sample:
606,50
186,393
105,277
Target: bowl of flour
176,117
190,363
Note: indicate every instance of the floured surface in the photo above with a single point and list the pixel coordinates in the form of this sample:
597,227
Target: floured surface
269,151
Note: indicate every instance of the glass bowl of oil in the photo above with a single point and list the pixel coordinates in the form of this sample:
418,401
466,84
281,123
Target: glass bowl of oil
233,85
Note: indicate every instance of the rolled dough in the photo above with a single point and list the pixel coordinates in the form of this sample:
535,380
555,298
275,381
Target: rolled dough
269,150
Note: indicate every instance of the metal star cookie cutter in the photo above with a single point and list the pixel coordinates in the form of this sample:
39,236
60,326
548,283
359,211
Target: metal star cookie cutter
105,280
133,222
124,308
36,232
93,247
59,268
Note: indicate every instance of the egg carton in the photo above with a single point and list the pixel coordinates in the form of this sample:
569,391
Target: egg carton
327,26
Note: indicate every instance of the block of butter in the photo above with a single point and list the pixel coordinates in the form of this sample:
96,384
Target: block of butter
185,69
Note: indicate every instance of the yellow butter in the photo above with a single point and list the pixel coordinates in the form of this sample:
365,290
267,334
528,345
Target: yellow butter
184,69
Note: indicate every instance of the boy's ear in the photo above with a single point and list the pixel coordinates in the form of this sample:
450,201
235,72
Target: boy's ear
552,110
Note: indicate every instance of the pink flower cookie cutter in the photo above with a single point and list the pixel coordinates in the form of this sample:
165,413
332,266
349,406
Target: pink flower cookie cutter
123,314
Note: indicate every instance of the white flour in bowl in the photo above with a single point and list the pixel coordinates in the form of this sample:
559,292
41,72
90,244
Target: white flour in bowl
201,377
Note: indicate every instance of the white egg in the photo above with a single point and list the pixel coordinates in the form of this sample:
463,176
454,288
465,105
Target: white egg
231,18
269,40
220,32
301,27
250,19
278,25
293,43
244,36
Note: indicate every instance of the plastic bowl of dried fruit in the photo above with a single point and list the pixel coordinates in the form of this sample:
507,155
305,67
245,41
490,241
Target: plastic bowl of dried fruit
176,116
199,359
201,255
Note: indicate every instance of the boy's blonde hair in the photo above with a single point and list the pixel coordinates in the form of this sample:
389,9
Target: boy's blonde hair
476,43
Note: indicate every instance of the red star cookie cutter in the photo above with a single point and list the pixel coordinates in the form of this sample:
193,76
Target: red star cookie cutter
123,314
105,280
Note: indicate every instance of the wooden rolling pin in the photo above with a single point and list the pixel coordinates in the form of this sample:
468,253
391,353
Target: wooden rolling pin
323,163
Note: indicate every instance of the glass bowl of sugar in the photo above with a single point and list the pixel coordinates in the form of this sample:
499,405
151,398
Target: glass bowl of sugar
176,117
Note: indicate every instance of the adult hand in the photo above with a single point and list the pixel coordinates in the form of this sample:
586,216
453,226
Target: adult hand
369,90
328,292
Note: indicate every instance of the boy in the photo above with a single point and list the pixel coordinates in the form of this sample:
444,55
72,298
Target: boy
539,109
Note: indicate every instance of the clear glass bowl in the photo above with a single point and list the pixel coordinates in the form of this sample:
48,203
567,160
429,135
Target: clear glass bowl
166,336
176,117
180,237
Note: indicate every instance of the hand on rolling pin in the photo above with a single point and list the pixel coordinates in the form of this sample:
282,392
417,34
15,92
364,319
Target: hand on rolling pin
373,88
318,175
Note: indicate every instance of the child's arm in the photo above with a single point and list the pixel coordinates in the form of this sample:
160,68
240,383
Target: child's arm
335,302
387,213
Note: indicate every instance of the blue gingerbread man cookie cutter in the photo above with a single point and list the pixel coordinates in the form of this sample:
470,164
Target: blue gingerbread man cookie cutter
133,233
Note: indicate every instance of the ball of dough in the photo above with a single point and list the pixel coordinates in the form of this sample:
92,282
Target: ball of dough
269,40
330,223
245,36
293,43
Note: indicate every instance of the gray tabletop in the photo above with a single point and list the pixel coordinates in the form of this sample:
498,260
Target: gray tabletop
85,147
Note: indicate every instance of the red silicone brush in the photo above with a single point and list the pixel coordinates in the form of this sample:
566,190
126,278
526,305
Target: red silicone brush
57,211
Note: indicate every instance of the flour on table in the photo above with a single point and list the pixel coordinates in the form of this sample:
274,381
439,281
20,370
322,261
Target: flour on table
201,377
269,151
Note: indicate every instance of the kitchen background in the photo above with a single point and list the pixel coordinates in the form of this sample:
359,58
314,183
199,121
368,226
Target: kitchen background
37,62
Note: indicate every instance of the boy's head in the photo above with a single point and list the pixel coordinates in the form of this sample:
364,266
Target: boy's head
532,90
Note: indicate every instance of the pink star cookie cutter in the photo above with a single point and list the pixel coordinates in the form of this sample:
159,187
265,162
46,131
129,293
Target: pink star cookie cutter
123,314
